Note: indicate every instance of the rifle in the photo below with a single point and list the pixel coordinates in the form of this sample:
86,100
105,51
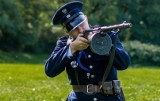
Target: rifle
100,41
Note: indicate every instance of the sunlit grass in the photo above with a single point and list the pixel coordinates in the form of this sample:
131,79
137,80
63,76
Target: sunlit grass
28,82
141,84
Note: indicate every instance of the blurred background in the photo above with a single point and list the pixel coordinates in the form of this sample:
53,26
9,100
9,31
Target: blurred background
26,26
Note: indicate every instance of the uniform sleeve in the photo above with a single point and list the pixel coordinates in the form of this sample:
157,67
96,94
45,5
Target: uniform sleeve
121,59
58,60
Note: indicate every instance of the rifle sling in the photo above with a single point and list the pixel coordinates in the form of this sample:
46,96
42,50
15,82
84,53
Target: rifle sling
107,71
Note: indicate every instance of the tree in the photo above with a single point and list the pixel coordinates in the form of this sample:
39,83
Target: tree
12,27
26,25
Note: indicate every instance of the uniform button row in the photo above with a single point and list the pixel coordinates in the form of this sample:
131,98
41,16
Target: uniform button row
89,75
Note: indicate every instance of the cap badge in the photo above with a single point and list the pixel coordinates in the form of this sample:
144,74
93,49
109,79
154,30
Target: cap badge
64,11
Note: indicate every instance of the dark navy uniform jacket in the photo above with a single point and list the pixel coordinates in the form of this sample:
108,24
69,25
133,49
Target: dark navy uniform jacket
91,66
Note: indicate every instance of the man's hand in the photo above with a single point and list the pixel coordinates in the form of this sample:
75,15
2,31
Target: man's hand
80,43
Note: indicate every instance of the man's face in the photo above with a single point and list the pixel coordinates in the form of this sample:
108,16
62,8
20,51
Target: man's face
84,26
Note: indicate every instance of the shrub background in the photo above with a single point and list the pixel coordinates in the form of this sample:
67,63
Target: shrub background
143,53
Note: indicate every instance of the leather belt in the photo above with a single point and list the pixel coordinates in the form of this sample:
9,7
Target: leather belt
90,88
108,88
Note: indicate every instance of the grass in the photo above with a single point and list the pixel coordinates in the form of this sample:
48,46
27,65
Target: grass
28,82
141,84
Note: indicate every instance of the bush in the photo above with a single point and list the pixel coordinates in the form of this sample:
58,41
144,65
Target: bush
142,53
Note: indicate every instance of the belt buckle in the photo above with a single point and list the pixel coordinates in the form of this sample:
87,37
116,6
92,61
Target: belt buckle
88,89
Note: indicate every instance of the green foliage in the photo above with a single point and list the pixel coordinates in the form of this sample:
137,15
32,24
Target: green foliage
26,25
28,82
38,17
141,53
143,14
11,26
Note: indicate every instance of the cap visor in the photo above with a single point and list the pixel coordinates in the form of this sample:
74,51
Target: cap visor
77,21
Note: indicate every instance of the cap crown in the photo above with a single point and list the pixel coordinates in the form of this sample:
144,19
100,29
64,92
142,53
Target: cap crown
66,12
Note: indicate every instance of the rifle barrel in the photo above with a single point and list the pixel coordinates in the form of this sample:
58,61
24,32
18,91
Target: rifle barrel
111,27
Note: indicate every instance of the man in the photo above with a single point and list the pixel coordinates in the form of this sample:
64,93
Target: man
85,68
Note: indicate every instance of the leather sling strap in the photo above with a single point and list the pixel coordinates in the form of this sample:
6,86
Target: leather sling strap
109,66
107,71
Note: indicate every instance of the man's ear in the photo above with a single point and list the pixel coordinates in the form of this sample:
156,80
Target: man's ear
86,17
67,33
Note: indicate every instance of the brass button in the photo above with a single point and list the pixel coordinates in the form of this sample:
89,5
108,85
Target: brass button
90,66
92,76
89,56
88,75
94,99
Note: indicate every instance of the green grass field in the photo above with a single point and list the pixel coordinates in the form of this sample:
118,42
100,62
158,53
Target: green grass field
28,82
